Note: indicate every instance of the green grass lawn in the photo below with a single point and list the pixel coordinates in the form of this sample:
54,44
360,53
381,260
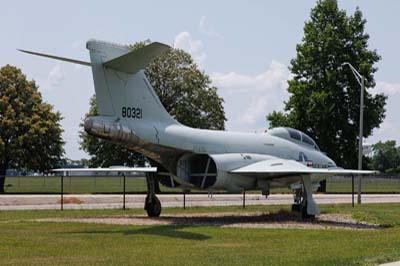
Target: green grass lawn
138,185
83,184
369,185
25,242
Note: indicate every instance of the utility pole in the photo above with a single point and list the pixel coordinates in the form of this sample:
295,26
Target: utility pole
360,138
361,81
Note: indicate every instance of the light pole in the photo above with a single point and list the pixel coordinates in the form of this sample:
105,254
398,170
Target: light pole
361,80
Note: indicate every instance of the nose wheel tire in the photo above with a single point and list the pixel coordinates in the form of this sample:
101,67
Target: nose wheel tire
296,208
152,206
305,215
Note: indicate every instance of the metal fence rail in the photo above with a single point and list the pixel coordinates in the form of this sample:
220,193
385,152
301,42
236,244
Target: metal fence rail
383,183
74,184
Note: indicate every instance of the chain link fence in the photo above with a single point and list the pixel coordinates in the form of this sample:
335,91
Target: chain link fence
75,184
383,183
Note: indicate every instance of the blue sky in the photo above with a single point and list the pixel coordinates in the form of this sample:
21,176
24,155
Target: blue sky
245,47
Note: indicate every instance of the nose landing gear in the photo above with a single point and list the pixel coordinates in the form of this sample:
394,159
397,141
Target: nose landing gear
304,201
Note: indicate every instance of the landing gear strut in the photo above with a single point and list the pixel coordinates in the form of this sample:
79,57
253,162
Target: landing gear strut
304,201
152,204
304,213
298,200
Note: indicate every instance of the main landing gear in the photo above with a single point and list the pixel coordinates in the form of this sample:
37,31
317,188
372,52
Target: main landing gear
152,204
304,201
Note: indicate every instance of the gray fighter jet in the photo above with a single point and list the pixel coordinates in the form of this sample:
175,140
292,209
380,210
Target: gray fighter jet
131,114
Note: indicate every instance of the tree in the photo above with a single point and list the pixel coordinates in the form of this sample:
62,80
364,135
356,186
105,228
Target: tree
386,158
184,90
324,95
83,162
30,131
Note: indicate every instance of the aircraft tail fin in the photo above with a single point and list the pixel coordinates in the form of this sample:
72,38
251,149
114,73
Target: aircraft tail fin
122,89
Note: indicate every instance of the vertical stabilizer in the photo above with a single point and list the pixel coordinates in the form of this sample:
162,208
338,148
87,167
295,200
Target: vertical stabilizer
101,52
122,89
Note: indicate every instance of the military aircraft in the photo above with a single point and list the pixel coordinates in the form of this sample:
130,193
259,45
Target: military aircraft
131,114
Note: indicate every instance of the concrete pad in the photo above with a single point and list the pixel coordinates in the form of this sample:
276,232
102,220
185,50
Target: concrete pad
396,263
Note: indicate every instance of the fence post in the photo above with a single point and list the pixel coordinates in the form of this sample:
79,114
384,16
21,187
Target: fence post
62,191
124,175
352,190
244,198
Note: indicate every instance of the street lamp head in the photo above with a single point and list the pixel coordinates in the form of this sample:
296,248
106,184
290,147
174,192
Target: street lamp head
342,65
358,76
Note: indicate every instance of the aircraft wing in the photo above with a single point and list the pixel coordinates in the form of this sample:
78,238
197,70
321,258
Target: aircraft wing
108,170
281,167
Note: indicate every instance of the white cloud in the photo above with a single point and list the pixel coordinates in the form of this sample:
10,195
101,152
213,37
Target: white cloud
54,78
249,98
274,76
389,130
390,127
387,88
184,41
207,29
77,44
254,110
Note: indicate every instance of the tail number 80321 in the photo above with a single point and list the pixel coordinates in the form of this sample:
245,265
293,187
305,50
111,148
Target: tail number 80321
131,112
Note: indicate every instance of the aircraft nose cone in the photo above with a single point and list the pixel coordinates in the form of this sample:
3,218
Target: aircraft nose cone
331,163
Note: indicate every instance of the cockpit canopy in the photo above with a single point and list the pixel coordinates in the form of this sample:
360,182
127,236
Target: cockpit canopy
293,135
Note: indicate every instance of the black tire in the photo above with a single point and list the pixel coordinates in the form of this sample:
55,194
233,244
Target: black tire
305,215
153,207
296,208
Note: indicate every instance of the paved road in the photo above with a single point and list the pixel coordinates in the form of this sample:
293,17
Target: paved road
396,263
33,202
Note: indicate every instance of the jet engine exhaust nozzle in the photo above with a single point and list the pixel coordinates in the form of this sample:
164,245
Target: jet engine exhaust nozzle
109,129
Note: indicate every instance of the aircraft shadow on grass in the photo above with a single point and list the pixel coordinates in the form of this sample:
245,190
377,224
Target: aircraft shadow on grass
173,231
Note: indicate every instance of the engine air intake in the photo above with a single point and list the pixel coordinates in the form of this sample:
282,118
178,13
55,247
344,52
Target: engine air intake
199,170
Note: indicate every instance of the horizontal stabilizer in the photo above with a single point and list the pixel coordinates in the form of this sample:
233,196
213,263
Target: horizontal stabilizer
138,59
108,170
58,58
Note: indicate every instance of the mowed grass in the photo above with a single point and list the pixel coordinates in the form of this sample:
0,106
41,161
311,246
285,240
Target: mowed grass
84,184
25,242
138,185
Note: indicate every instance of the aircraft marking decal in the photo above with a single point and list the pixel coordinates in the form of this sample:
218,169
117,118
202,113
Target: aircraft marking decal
132,112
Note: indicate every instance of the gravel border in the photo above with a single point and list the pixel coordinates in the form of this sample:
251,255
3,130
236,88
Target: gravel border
277,220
